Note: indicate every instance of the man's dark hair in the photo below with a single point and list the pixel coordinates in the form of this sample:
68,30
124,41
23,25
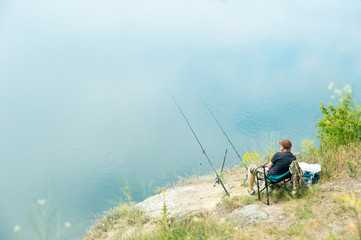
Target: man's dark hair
286,144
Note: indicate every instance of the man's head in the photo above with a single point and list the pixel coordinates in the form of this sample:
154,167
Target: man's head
286,145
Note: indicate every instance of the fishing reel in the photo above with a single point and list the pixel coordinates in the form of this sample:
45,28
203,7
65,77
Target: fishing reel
217,181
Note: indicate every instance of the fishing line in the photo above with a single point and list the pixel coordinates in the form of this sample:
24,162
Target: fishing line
229,140
203,150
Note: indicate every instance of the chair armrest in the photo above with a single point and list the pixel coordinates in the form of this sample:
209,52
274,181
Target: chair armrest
264,166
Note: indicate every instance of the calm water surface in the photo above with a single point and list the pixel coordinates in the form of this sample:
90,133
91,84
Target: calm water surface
84,91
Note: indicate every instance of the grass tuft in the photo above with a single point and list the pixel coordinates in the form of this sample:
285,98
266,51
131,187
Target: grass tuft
120,218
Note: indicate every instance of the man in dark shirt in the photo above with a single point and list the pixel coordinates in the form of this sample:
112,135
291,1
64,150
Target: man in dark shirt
279,164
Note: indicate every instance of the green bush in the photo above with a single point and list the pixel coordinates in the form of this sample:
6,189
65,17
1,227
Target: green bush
341,124
309,153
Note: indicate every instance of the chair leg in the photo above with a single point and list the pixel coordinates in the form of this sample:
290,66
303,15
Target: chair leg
259,195
266,184
267,193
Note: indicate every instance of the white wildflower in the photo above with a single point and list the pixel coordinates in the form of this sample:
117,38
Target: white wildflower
347,88
41,202
17,228
337,91
330,86
67,224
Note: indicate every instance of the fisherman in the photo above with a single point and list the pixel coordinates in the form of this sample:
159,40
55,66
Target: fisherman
278,165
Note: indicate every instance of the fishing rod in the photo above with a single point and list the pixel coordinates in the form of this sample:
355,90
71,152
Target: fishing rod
204,151
224,160
229,140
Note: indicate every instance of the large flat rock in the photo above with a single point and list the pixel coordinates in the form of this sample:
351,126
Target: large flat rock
183,201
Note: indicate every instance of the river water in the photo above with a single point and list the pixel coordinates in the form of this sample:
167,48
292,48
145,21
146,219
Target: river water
84,92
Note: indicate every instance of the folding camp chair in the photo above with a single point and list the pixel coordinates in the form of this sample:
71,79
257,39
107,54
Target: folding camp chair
272,182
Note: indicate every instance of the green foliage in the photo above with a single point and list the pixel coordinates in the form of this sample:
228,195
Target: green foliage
309,148
341,124
345,160
127,214
309,153
305,213
352,166
236,201
339,132
200,227
354,205
296,230
165,221
282,195
197,227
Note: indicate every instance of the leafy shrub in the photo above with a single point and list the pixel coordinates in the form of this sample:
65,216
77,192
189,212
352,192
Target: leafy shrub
341,124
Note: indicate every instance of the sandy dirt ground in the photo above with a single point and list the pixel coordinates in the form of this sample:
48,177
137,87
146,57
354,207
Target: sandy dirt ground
202,195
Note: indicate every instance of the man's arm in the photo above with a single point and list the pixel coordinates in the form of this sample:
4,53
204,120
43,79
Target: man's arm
271,163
